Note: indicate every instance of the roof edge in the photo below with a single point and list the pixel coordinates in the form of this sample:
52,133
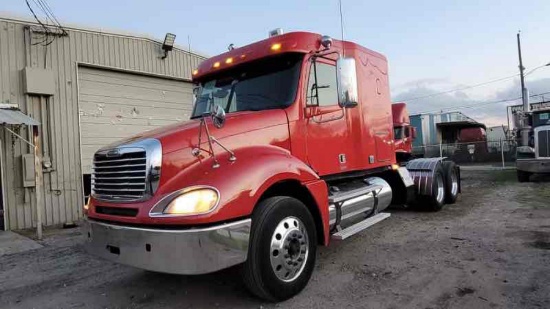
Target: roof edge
11,17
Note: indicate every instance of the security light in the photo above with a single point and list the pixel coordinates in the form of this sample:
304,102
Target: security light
168,43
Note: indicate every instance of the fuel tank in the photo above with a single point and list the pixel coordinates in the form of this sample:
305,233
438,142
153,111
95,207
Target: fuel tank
365,204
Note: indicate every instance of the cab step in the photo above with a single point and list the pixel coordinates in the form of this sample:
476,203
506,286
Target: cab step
360,226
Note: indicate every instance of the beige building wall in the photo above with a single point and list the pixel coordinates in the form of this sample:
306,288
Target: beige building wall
24,44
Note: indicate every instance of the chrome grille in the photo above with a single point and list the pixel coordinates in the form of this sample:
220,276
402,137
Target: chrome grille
122,177
127,172
543,143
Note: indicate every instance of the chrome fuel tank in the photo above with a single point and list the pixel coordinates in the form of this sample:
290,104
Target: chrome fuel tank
364,204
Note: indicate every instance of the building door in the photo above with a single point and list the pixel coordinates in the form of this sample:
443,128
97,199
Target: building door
114,105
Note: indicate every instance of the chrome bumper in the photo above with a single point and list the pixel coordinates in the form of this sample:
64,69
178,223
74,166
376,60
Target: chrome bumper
533,165
188,252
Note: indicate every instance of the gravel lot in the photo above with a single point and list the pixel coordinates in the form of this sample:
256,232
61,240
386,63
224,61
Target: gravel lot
490,250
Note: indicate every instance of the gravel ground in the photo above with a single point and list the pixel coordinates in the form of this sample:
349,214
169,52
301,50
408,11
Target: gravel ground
490,250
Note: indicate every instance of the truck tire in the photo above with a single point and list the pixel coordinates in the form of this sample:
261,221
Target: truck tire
436,200
523,176
450,176
282,249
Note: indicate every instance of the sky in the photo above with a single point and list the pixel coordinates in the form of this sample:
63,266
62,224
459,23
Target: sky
431,46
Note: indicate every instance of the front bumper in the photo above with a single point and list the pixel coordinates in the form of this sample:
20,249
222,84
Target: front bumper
533,165
186,251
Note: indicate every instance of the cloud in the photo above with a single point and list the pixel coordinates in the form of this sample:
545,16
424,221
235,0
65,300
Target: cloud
424,82
484,107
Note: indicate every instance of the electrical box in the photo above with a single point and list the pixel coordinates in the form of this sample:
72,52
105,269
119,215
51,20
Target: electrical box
38,81
28,170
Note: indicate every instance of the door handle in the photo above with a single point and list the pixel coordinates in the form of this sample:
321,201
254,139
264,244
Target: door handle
333,118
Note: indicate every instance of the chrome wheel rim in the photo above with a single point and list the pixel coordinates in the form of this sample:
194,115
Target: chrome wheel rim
440,189
289,249
454,183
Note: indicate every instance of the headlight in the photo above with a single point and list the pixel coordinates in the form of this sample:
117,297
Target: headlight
193,201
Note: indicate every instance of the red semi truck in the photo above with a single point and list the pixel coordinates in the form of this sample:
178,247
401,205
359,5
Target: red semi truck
403,132
290,146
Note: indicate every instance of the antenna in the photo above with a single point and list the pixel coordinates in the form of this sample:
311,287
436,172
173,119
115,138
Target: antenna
342,28
189,61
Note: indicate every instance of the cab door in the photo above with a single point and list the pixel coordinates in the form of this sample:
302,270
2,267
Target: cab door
326,122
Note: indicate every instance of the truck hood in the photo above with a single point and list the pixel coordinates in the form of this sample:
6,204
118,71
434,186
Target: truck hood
242,127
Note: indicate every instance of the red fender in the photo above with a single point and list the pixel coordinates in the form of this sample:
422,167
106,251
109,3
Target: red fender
241,184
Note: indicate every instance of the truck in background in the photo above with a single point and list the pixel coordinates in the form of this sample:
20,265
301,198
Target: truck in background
450,134
290,146
534,158
403,132
471,144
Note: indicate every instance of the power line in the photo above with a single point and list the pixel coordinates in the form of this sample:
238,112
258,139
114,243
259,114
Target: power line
472,86
478,104
49,36
36,17
459,89
48,11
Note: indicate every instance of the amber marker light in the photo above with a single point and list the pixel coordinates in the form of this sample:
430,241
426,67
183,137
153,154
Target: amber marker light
195,72
216,64
229,61
276,47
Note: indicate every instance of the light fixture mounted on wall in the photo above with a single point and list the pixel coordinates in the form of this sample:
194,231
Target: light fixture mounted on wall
168,44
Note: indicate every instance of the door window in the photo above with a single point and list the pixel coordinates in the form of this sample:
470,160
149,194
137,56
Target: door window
322,89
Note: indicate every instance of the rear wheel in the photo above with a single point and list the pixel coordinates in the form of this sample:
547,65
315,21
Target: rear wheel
436,200
282,249
450,175
523,176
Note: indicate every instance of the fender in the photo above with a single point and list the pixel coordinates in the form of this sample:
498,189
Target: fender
241,183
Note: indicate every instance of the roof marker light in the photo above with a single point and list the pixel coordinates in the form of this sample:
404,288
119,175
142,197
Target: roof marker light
229,60
195,71
276,47
216,64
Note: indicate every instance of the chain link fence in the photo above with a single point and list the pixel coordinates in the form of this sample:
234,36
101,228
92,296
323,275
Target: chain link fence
497,153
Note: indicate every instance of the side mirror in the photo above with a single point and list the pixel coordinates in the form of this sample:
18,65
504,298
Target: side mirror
218,116
346,76
413,132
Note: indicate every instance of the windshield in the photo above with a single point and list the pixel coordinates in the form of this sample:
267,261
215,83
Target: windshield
264,84
398,133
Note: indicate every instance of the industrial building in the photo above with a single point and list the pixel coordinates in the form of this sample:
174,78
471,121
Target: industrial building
86,88
435,129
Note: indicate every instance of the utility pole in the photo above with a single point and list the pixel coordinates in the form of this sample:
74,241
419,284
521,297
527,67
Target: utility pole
521,71
524,129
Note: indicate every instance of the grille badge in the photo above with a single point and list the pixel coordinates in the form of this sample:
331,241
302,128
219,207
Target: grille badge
113,153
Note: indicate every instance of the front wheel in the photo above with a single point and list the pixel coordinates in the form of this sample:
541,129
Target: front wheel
282,249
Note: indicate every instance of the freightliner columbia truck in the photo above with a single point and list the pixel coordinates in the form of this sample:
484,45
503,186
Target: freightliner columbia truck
290,146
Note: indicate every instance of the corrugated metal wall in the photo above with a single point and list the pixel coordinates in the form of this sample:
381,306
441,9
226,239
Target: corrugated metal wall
21,45
116,105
